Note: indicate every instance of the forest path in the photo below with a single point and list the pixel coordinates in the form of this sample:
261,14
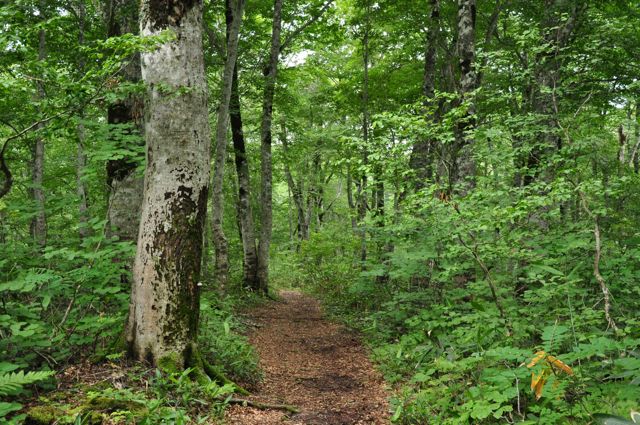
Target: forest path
314,364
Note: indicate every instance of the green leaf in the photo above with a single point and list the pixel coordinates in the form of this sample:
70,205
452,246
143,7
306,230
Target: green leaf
548,269
12,383
397,413
6,408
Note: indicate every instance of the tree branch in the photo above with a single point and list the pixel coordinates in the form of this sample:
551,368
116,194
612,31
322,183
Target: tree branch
596,262
304,26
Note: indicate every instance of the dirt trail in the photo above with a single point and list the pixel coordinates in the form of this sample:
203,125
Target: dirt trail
313,364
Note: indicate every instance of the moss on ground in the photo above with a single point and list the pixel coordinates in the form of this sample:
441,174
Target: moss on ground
43,415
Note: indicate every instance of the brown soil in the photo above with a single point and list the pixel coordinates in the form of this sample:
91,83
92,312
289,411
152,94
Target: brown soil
313,364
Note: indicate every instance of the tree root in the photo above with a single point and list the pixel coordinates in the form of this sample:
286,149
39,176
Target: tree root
264,406
217,375
203,370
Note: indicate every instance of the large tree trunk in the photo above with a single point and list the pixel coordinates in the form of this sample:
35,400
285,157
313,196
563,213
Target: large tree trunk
462,163
165,299
265,148
125,185
39,221
245,213
421,160
234,10
538,96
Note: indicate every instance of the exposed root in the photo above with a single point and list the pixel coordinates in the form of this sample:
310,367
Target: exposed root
217,375
264,406
204,370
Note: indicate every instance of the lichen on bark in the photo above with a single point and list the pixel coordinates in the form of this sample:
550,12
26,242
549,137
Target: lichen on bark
163,314
162,14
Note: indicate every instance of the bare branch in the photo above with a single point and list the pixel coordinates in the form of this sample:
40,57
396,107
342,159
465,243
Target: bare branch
596,262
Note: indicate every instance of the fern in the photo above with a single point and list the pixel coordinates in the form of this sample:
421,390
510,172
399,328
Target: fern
12,383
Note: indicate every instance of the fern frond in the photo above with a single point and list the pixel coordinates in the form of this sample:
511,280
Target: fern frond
12,383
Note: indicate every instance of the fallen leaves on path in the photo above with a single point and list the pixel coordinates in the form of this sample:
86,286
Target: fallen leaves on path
314,364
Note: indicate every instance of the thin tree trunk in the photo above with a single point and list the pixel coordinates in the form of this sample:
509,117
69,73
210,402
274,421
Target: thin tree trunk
81,158
165,300
633,157
606,295
245,213
39,221
296,192
362,190
234,10
351,203
265,149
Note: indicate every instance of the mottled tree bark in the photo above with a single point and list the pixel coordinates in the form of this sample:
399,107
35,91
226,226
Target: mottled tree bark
234,10
164,309
462,164
245,212
266,194
538,96
39,220
125,185
422,154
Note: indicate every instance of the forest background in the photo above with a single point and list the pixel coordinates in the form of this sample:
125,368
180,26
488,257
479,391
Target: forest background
456,180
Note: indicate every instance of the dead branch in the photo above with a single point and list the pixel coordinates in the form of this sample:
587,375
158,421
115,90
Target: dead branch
264,406
596,263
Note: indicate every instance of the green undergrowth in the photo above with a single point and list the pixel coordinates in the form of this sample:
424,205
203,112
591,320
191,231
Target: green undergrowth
155,398
450,358
130,393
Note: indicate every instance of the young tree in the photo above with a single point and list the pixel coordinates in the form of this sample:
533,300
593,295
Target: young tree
266,196
39,221
164,309
245,213
234,10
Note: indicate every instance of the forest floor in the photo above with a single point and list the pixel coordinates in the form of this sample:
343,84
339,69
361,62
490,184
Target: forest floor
313,364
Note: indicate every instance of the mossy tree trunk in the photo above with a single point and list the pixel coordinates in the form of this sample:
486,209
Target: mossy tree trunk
164,309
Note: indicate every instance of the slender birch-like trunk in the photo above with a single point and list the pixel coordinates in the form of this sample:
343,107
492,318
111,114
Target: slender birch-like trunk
362,189
39,221
81,157
234,10
266,194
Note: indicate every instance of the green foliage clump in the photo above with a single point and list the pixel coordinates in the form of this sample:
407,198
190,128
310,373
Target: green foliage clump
221,343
